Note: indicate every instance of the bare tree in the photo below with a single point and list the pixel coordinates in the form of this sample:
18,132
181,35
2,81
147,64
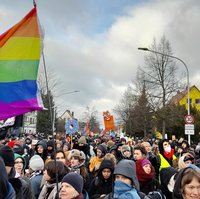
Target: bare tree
125,108
90,115
159,76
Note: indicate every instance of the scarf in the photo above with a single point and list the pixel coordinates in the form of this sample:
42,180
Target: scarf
35,173
141,175
125,191
169,155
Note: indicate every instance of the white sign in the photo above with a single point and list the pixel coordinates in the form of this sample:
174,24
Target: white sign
189,129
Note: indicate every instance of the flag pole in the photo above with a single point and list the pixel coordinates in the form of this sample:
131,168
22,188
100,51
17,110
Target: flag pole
34,4
52,122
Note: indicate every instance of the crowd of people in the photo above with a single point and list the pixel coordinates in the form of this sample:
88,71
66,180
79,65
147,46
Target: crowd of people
99,168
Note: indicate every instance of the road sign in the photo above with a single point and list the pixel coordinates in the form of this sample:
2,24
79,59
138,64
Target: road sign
189,119
189,129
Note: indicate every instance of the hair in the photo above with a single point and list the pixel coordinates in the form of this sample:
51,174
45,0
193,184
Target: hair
188,176
53,155
110,156
60,168
141,148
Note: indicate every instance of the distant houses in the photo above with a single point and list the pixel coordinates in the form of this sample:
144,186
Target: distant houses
181,98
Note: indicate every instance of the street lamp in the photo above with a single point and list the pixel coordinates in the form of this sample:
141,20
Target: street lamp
69,92
188,89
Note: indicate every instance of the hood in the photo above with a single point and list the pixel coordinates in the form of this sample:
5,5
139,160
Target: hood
160,145
106,164
166,174
127,168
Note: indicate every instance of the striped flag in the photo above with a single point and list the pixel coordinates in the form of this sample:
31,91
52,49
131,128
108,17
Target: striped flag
86,130
20,50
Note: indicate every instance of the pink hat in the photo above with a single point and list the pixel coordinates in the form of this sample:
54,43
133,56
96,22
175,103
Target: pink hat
145,161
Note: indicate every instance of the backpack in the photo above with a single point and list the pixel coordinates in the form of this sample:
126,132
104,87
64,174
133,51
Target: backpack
156,195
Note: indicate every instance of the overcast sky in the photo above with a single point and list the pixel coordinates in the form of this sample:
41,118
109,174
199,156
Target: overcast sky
91,45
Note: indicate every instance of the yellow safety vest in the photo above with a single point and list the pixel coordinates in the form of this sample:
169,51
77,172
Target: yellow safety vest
164,163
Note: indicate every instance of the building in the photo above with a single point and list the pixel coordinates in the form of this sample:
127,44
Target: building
182,98
30,122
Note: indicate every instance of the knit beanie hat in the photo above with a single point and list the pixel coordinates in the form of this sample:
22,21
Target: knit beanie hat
75,180
145,161
82,140
8,156
36,163
16,156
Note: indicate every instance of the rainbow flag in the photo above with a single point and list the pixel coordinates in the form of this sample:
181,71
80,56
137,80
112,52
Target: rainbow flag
20,50
86,130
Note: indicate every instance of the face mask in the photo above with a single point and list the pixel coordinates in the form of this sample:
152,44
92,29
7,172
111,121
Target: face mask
167,149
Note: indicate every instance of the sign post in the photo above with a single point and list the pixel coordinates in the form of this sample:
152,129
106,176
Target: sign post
189,126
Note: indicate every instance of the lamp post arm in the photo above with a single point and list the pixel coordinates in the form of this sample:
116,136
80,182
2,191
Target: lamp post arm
174,57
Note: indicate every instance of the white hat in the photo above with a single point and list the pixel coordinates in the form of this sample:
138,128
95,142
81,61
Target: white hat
36,163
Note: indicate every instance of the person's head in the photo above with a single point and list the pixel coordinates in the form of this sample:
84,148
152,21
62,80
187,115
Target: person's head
188,183
71,186
76,158
185,160
126,151
147,145
66,146
185,144
164,146
17,148
19,164
139,152
101,150
59,145
123,141
110,156
50,146
146,165
125,171
40,149
167,179
8,157
50,171
36,163
106,169
3,180
82,141
60,156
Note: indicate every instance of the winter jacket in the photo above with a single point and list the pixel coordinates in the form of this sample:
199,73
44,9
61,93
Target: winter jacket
99,185
35,184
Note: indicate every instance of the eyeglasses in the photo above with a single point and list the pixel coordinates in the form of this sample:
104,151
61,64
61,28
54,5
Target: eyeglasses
18,162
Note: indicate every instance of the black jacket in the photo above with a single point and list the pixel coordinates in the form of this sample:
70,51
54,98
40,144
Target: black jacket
99,185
